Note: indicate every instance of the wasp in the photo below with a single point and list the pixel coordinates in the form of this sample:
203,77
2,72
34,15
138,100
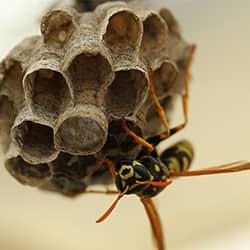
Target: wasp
151,173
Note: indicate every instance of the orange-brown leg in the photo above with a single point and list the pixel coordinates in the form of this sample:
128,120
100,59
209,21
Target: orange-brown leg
160,110
185,97
110,165
107,191
137,138
155,222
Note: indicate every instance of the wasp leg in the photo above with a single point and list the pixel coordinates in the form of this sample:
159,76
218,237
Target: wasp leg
185,98
160,110
101,191
155,222
222,169
110,165
137,138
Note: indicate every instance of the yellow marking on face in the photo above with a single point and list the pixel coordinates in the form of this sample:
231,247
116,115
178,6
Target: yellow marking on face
137,176
174,165
157,168
134,163
127,175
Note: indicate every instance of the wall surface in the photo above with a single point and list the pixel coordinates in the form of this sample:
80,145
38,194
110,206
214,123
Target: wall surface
198,213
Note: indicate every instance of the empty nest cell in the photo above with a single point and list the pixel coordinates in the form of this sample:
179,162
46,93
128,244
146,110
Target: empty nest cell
12,83
33,175
89,74
119,143
69,171
123,31
82,130
172,23
126,92
165,77
47,91
7,116
155,32
34,141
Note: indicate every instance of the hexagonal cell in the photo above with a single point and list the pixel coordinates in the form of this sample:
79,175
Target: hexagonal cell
34,175
33,138
153,124
172,23
81,130
165,77
57,25
123,31
69,171
89,73
77,167
155,32
47,89
119,143
12,82
127,91
7,116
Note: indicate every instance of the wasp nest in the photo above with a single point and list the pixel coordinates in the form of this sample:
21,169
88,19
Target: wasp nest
63,93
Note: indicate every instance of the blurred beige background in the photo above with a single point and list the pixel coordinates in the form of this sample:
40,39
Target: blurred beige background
197,213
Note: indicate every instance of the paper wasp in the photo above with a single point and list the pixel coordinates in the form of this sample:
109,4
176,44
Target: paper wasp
151,173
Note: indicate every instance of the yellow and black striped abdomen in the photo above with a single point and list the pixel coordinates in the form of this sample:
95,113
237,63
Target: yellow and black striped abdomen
178,158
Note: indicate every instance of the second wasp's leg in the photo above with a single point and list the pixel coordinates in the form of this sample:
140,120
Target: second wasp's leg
92,191
155,222
160,110
185,97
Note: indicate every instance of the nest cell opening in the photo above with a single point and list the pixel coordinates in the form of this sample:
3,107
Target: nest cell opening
34,140
126,92
123,31
27,173
67,185
170,20
155,33
119,140
81,135
89,72
48,91
56,26
165,76
13,83
74,166
7,117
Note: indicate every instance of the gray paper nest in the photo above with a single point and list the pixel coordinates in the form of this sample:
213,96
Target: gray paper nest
62,94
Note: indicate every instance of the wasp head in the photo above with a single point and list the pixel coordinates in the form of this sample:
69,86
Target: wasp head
131,174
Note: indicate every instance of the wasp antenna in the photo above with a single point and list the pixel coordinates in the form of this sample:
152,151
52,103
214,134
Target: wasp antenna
113,205
222,169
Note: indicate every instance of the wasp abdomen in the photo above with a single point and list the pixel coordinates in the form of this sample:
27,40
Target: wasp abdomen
178,158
